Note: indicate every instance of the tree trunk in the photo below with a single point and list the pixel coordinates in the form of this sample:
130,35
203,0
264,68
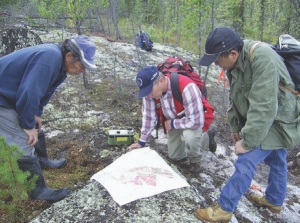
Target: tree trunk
113,7
77,25
101,26
262,19
108,21
296,4
212,14
242,16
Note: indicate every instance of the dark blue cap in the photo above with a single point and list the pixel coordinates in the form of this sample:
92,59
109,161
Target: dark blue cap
218,41
145,79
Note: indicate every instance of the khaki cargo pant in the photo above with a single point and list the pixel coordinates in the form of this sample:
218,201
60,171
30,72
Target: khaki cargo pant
187,143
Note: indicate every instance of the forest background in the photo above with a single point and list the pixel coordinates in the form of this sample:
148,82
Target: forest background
184,23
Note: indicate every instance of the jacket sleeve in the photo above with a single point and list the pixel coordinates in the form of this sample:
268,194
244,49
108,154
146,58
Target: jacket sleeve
149,118
262,96
233,120
32,88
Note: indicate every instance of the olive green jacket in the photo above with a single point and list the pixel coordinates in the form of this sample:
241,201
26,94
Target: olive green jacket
264,114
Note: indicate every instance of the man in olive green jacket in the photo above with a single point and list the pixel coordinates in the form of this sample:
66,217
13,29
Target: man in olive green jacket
263,117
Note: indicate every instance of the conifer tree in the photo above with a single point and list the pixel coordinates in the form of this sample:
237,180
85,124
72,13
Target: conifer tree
14,183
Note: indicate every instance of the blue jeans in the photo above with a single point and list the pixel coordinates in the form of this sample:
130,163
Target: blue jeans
245,168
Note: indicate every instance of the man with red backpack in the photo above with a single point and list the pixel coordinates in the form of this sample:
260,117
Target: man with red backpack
185,135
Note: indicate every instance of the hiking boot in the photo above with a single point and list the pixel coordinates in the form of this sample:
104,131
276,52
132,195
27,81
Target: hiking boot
261,201
183,163
213,214
195,168
212,143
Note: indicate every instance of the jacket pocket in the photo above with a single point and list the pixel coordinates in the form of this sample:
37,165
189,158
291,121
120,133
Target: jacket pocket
290,133
246,91
288,119
288,108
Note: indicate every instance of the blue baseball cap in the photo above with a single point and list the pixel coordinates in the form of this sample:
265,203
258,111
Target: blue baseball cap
86,50
218,41
145,79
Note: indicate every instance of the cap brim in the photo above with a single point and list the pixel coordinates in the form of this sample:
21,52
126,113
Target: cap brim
89,65
208,59
143,92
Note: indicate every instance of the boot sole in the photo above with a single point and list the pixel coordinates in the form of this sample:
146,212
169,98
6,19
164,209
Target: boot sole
222,221
274,210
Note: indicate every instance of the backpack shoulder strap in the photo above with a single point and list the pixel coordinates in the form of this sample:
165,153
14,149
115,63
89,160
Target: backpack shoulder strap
252,49
296,93
175,87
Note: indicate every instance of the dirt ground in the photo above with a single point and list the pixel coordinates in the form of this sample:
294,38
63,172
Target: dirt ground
124,110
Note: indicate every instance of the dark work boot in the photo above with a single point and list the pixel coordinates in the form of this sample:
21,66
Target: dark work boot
195,168
41,152
212,143
183,163
41,191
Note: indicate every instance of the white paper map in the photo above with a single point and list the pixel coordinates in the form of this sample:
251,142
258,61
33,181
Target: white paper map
138,174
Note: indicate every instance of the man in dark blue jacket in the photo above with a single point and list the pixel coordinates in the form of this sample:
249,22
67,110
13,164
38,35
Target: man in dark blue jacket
29,78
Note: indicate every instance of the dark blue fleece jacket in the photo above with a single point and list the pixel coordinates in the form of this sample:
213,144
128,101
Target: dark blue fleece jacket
29,78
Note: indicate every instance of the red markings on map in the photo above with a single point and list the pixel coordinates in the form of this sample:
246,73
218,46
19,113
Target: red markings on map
141,180
145,175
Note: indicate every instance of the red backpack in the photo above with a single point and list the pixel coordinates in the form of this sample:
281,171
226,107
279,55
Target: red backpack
180,66
174,66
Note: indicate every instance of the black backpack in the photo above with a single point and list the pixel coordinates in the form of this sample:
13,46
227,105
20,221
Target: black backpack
289,49
144,41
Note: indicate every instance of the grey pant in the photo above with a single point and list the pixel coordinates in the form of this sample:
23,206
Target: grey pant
187,143
13,133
